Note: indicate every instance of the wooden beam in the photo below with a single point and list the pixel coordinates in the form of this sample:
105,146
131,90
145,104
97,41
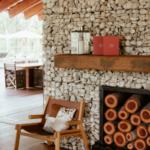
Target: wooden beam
22,6
40,18
4,4
33,10
40,15
115,63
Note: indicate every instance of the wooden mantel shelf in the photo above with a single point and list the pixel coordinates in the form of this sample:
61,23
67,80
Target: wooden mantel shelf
116,63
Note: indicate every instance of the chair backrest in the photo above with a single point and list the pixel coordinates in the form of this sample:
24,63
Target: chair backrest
19,62
9,71
68,104
33,61
9,67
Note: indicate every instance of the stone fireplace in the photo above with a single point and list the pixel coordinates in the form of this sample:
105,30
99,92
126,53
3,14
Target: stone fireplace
127,19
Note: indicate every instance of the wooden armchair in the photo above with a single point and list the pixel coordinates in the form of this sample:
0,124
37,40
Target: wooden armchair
13,77
38,77
35,130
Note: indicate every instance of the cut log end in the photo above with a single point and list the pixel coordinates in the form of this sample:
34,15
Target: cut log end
119,139
123,115
129,137
133,103
108,139
111,114
140,144
130,145
145,115
109,128
141,132
148,141
124,126
111,101
131,106
135,119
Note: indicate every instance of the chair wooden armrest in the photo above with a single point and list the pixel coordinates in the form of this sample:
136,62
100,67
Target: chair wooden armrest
67,132
70,123
19,126
36,116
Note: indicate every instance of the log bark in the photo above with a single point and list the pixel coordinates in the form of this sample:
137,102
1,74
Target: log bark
125,126
135,119
133,103
115,99
110,127
145,113
140,144
148,129
123,114
111,114
108,139
130,145
148,141
131,136
141,131
120,139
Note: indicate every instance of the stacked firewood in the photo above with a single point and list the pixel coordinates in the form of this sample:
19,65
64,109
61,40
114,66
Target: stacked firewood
128,121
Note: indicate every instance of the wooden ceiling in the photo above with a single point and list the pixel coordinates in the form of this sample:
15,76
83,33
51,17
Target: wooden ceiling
40,15
28,7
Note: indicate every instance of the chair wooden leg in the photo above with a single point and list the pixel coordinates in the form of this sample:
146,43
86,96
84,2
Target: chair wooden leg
48,142
84,138
17,140
57,142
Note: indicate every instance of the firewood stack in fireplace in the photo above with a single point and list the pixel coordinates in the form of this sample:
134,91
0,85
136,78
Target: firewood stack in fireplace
127,121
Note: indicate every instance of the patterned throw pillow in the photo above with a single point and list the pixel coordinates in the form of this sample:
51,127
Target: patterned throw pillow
50,118
59,125
48,126
64,115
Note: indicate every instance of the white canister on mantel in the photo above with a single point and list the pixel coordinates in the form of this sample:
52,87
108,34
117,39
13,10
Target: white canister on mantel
81,47
80,41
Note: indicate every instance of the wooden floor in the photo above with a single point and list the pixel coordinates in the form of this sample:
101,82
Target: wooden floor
15,107
7,140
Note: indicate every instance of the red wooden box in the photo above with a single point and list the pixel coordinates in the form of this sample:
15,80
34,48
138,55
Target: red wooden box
98,45
106,45
111,45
